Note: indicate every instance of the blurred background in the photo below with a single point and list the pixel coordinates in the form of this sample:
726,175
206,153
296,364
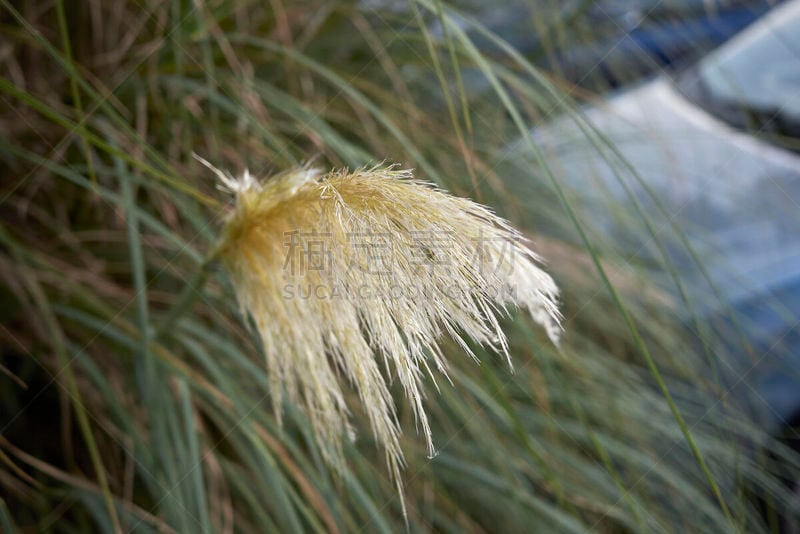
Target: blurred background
648,149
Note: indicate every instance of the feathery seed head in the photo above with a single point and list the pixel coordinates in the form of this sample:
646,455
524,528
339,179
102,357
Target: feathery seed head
348,272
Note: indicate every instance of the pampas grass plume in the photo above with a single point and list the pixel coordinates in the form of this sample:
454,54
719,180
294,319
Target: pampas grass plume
355,276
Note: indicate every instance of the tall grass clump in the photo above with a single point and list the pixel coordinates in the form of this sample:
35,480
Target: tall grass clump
138,394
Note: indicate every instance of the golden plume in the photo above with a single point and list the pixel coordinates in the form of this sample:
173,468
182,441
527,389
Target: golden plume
358,274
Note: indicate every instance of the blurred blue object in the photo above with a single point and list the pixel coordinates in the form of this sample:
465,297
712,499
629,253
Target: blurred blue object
646,36
712,151
608,43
